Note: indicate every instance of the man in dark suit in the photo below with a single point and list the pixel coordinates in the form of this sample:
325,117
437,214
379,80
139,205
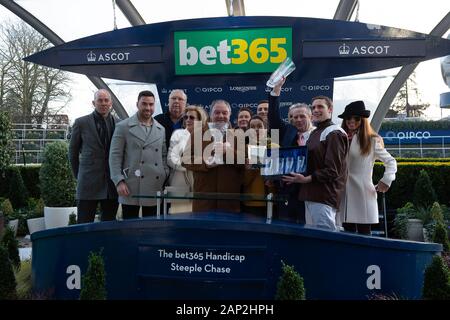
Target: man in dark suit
172,118
88,153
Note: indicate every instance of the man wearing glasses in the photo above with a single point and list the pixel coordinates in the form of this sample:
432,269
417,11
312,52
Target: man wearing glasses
172,119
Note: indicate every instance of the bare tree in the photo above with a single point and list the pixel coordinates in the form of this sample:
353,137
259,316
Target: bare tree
30,92
408,100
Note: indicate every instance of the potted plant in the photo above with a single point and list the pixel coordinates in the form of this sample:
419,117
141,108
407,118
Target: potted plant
36,220
57,185
409,221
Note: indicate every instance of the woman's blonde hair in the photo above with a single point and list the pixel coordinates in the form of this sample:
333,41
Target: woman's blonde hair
201,114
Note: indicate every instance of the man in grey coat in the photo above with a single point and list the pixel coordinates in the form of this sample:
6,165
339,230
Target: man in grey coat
138,159
88,154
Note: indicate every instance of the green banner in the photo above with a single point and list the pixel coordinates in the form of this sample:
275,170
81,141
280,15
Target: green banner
231,50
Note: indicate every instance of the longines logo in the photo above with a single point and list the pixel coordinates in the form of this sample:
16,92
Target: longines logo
200,89
363,50
108,57
243,89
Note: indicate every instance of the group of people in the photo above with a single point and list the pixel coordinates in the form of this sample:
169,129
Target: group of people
120,162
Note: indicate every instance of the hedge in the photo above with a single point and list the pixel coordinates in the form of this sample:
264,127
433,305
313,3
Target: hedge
402,188
415,125
423,160
30,176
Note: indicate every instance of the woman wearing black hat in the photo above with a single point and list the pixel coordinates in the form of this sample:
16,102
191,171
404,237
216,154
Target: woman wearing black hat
359,208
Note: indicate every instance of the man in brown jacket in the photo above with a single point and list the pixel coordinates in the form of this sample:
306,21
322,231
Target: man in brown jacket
327,167
215,178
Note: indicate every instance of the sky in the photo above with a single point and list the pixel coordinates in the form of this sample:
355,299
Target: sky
89,17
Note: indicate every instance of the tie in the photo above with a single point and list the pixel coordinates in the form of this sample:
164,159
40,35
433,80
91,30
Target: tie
301,139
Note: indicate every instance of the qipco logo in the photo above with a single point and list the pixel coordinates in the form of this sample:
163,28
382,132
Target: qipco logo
231,51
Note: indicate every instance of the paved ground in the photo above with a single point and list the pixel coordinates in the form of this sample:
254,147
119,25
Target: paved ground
24,247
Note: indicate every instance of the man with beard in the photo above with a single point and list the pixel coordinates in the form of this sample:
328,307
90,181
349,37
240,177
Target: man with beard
138,159
172,119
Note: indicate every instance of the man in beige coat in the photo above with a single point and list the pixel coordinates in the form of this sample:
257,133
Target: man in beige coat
138,159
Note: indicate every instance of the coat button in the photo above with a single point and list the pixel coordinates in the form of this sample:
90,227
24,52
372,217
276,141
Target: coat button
156,164
143,148
157,177
156,150
142,177
142,162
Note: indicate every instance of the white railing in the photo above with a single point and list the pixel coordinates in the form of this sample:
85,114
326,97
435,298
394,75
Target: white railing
30,140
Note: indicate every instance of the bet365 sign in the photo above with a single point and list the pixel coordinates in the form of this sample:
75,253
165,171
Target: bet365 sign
231,50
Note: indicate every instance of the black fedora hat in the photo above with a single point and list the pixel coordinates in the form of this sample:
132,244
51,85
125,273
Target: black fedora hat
356,108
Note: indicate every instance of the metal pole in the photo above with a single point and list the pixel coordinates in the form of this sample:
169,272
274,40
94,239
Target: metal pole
385,216
165,204
269,208
158,204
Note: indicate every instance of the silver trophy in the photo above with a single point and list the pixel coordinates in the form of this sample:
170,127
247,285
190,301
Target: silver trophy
283,70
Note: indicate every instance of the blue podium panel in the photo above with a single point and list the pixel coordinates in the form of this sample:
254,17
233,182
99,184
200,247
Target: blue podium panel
225,256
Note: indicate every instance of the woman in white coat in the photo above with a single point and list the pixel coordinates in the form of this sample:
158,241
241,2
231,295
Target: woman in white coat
359,207
182,180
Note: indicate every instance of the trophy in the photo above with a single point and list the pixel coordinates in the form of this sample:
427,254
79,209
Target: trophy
283,70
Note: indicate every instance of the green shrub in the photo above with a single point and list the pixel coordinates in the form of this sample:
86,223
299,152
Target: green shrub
7,279
93,284
72,219
6,143
290,285
436,213
408,211
436,283
17,192
23,280
35,208
440,236
402,189
10,242
30,176
57,182
7,208
424,194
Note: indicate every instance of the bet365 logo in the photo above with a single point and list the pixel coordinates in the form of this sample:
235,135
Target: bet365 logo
231,51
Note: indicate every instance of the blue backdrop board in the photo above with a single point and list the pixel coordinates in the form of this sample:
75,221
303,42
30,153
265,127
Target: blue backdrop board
222,256
249,95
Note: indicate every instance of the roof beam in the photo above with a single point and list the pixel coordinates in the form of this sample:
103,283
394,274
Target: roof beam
235,8
46,32
130,12
345,10
402,76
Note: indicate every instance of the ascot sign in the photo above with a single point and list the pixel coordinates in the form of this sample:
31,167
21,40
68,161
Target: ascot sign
231,51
